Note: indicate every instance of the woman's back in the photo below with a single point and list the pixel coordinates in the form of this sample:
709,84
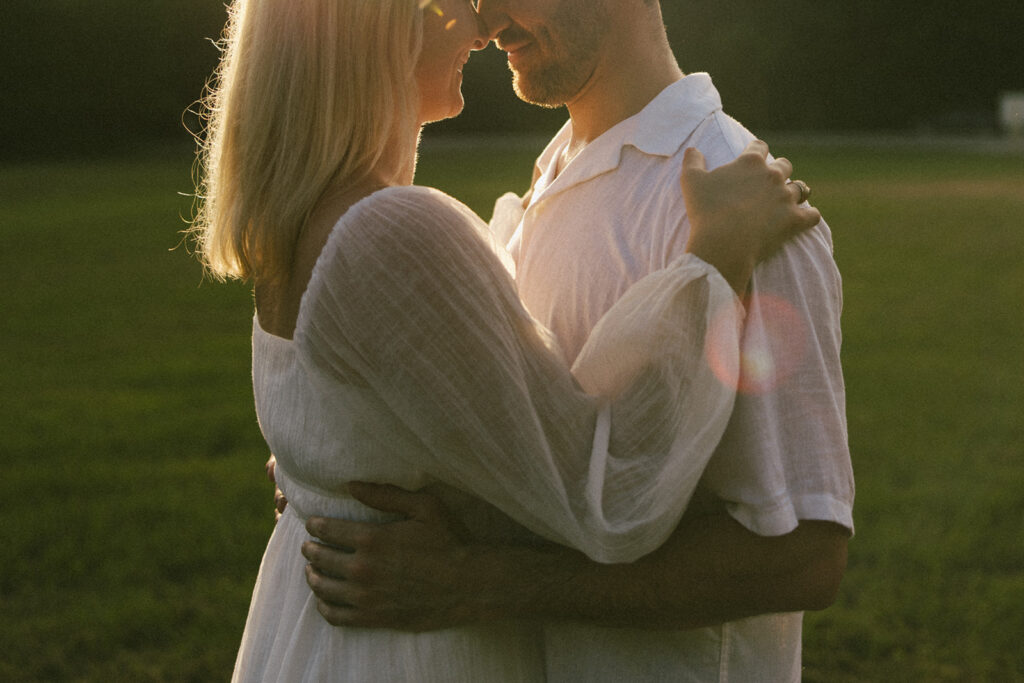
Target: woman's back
325,433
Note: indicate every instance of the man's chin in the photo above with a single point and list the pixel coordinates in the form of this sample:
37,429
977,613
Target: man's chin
534,95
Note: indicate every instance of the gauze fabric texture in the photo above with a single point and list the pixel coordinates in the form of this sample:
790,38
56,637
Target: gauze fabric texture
410,303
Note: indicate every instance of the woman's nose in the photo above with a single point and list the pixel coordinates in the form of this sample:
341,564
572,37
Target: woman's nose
481,34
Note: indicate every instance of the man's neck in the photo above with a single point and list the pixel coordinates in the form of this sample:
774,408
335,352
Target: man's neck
637,65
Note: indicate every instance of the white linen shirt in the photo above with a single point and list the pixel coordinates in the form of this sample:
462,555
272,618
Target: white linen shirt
614,214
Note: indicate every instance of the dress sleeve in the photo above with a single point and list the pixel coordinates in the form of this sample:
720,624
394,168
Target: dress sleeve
410,300
508,212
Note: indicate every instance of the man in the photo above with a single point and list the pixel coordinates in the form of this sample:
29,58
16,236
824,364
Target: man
723,598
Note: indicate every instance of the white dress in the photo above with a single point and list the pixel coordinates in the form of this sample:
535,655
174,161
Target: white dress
414,363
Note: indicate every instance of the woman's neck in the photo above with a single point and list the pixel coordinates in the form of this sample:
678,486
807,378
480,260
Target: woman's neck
277,301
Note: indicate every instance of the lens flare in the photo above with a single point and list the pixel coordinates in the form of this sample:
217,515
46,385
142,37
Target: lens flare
433,6
436,9
774,342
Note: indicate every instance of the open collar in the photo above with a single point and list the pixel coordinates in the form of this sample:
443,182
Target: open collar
659,129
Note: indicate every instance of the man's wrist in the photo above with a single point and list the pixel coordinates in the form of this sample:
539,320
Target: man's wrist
509,582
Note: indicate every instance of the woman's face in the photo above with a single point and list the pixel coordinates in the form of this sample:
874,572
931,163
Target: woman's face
448,39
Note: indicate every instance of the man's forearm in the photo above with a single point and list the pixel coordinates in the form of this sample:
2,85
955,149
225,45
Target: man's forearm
710,571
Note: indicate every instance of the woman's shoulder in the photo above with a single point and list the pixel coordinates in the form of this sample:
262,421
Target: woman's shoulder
402,215
392,238
394,220
400,203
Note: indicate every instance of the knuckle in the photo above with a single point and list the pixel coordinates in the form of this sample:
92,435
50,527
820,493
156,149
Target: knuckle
359,570
364,539
318,582
361,598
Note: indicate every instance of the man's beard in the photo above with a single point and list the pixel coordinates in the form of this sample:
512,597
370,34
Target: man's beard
551,85
580,26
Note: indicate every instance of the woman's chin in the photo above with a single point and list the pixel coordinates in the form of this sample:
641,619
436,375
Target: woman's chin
450,112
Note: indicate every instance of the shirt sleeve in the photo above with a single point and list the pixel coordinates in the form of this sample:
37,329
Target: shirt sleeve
409,299
785,455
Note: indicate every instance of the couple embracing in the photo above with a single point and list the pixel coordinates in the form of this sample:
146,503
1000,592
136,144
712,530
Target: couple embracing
601,439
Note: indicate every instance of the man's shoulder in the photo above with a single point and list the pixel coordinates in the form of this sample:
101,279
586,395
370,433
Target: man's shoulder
720,137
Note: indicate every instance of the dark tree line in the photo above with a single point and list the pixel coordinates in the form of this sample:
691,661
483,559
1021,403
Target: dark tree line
82,77
830,64
79,77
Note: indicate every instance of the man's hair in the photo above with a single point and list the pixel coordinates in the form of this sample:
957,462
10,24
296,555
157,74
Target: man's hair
309,94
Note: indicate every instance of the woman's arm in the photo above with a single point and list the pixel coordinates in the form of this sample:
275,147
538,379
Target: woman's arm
410,302
739,213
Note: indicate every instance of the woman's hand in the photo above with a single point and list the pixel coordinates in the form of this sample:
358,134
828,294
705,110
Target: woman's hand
742,212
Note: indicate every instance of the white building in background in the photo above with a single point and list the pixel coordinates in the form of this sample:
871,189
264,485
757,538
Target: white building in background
1011,113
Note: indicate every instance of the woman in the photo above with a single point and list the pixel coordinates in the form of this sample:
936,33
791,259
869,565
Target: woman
389,344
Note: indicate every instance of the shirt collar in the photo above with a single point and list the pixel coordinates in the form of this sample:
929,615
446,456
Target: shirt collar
670,118
659,129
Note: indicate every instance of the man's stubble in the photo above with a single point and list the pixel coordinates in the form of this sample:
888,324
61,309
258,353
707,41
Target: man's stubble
572,41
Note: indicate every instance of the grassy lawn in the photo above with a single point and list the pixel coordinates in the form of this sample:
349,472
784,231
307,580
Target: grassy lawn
135,510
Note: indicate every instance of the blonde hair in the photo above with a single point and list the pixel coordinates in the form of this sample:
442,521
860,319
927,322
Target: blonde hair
309,94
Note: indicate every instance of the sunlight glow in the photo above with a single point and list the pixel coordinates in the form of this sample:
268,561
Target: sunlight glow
424,4
780,342
433,7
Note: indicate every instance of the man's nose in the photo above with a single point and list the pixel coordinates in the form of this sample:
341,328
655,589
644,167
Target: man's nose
493,16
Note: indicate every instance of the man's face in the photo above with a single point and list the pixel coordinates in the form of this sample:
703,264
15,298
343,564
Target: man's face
553,46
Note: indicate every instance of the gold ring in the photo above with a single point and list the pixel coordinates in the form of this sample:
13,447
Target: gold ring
805,191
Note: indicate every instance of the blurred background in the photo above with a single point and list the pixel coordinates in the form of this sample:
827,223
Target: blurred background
134,509
84,77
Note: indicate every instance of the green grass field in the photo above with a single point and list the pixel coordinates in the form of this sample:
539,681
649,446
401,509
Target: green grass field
134,509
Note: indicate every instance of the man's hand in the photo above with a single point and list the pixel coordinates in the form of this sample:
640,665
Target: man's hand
396,575
418,574
280,502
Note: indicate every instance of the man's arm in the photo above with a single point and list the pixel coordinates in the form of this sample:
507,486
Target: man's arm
418,575
712,570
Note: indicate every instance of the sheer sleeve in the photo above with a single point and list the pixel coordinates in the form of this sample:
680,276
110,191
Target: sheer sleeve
409,299
508,212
